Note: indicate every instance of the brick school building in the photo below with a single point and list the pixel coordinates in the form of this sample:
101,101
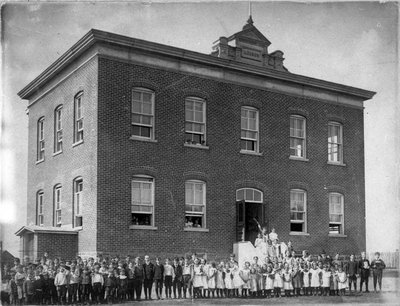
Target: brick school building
141,148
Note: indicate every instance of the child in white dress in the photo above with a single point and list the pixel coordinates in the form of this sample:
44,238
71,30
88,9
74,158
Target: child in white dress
342,284
237,280
228,280
245,276
197,278
269,281
220,280
306,281
212,274
287,281
326,280
204,277
278,282
315,278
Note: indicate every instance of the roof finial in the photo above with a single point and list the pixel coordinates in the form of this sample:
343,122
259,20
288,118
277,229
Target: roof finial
250,20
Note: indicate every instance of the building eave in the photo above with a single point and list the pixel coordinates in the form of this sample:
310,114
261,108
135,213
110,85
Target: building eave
45,230
95,36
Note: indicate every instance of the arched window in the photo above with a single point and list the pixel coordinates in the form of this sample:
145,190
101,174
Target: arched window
195,121
57,205
78,202
58,129
298,210
142,111
335,142
195,204
336,213
40,139
249,195
297,136
142,205
78,118
249,139
39,208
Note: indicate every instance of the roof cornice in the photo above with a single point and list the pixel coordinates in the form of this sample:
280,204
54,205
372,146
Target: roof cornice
95,36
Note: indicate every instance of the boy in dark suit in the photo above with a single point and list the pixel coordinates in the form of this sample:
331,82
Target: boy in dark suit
377,266
364,267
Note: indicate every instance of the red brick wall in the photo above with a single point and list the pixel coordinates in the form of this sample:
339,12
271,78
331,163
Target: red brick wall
73,161
222,166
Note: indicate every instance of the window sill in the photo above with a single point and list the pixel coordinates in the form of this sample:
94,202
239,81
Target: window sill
250,153
39,161
196,146
77,143
337,235
299,234
78,228
142,139
143,227
336,164
57,153
195,229
299,158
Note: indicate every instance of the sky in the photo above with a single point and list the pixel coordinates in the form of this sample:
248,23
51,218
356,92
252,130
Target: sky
352,43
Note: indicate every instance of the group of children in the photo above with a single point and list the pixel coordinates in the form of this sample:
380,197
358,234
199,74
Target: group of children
110,280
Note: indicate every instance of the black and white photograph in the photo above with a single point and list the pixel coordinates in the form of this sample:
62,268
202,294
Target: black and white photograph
199,152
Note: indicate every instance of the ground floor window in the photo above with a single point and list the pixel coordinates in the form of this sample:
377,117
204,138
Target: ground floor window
335,213
195,204
298,210
142,209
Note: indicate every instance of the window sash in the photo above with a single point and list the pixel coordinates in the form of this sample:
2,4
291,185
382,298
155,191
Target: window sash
40,140
78,118
142,195
336,211
40,206
249,129
142,111
78,197
298,207
195,200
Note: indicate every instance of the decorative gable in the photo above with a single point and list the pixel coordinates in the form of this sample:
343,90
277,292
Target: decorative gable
249,46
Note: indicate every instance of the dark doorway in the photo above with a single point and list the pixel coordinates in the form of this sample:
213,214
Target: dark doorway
249,217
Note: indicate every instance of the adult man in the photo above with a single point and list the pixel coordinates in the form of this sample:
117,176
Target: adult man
148,276
364,268
352,272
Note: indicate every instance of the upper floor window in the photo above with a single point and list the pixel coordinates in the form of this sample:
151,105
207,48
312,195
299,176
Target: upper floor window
39,208
78,118
195,204
40,139
335,142
336,213
298,209
142,207
78,202
57,205
297,136
58,130
249,129
195,121
142,113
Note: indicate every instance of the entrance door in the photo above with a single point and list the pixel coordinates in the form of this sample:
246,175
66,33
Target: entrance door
249,213
240,220
254,219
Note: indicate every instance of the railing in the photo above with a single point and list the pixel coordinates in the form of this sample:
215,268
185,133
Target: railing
391,259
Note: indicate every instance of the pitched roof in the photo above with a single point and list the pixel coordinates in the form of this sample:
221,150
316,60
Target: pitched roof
45,229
